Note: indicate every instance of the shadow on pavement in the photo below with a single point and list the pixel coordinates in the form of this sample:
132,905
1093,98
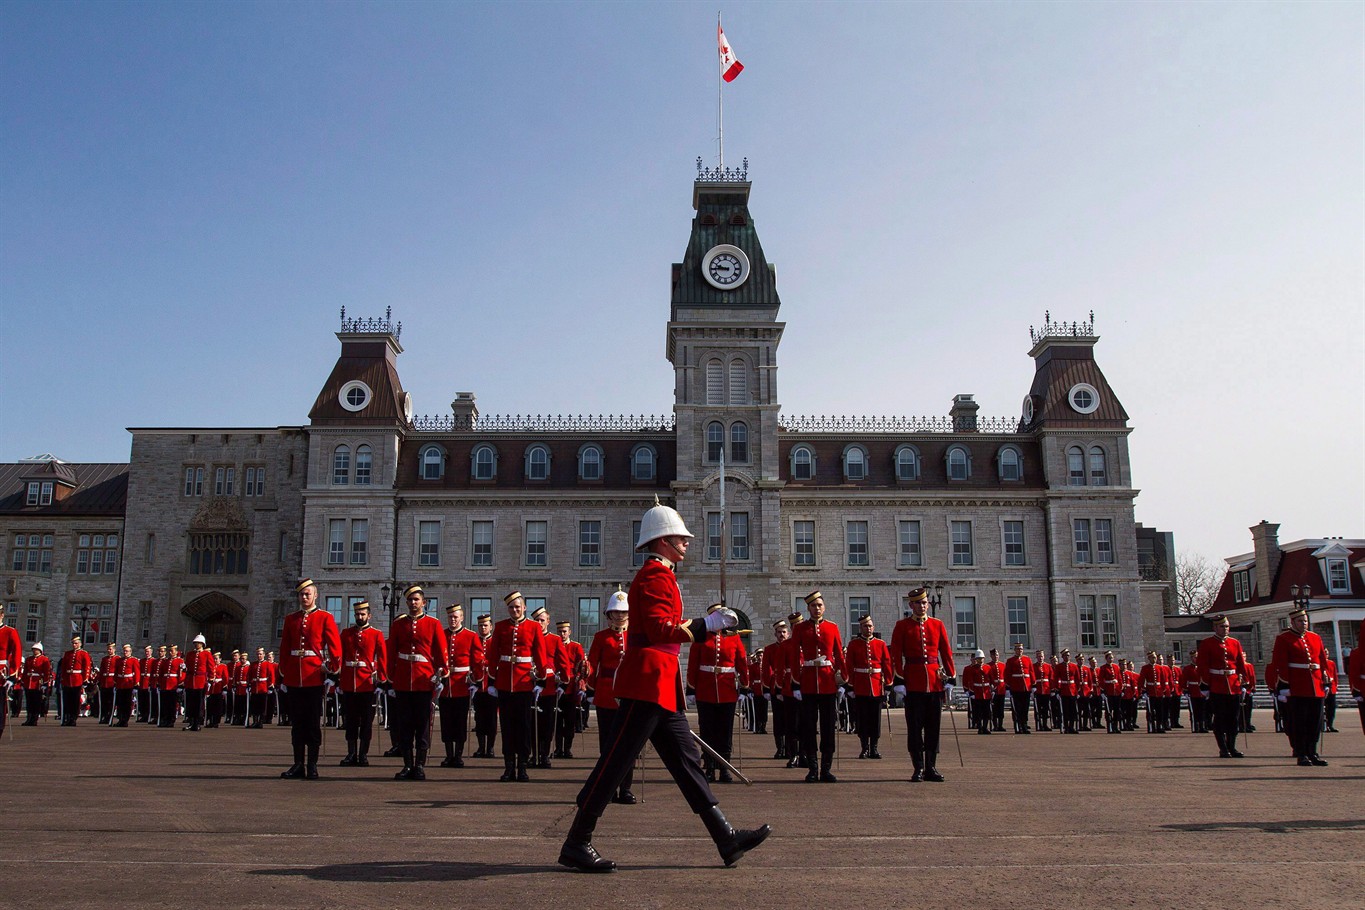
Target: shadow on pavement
400,872
1282,827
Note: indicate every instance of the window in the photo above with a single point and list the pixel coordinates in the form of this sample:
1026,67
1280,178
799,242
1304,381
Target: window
480,606
194,481
33,622
907,532
1081,532
353,397
32,553
855,463
739,442
637,557
219,553
1014,543
96,554
907,463
715,382
537,463
803,543
360,541
481,544
589,616
34,486
1016,621
254,481
284,546
855,538
1109,620
484,463
45,494
964,622
1075,467
98,624
1084,398
1011,465
959,464
803,463
961,534
642,460
1241,586
336,605
149,551
858,607
589,543
433,463
715,441
428,543
533,604
590,463
364,466
224,481
1337,577
537,543
1085,605
1099,472
1104,541
341,466
739,535
739,382
713,539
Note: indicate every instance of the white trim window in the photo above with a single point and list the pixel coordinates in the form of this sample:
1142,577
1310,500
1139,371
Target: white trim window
1075,467
1085,620
341,466
908,538
1012,533
590,463
739,442
364,465
537,544
803,543
856,544
590,543
1338,576
537,463
803,463
432,462
360,541
855,463
1109,621
483,462
481,544
643,459
336,542
1016,620
964,623
428,543
1099,467
1104,541
959,462
1011,464
739,536
960,533
1080,532
715,441
907,463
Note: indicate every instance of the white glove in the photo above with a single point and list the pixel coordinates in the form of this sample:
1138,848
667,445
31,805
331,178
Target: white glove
691,700
796,693
436,692
1282,696
724,618
1360,699
493,691
948,693
536,691
767,696
899,690
328,685
283,688
473,690
591,701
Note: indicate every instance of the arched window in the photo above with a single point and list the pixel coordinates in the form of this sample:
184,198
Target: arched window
715,440
855,463
907,463
1011,464
484,463
590,463
341,465
1099,470
715,382
1075,467
364,465
642,460
739,382
803,463
433,462
959,463
739,442
537,463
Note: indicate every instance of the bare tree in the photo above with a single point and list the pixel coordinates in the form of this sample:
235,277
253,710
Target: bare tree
1197,581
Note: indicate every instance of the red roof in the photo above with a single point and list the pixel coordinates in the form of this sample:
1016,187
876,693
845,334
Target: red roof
1297,567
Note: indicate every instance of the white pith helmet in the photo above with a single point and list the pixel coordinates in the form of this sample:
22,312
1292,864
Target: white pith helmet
979,653
660,521
617,603
200,639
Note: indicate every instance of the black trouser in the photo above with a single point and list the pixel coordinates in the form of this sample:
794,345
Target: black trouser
1199,713
981,714
33,705
217,703
760,714
194,706
547,713
817,717
1305,724
144,705
638,722
241,701
1224,712
715,725
455,720
1044,705
923,711
1247,705
998,710
256,707
305,735
867,715
70,704
566,724
166,707
606,721
358,710
516,716
485,719
1021,699
796,722
1329,708
779,724
1114,708
106,704
1069,712
412,716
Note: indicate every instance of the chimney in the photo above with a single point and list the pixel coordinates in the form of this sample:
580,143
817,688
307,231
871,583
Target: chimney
464,410
1266,542
964,414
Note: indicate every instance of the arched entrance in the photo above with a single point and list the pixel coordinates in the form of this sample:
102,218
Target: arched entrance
218,617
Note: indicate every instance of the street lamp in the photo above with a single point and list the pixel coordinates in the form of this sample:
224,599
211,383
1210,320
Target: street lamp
1302,595
392,597
935,600
85,617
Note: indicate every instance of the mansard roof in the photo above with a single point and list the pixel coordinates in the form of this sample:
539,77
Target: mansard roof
100,489
933,450
511,450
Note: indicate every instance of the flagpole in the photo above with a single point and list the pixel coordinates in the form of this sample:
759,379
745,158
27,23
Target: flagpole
720,135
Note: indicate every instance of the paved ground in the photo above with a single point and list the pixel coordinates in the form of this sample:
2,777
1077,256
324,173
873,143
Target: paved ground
158,818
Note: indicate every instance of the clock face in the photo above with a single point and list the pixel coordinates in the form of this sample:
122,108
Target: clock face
725,267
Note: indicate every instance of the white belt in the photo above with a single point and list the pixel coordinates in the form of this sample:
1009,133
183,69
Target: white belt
356,663
511,659
1303,666
867,670
1226,672
303,653
415,658
459,669
817,662
717,669
1019,675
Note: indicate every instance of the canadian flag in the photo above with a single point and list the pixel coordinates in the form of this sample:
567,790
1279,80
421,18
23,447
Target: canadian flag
730,67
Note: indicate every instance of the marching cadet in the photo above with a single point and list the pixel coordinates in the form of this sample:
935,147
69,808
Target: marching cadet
1083,687
310,647
37,677
869,664
241,690
923,660
464,665
1295,676
217,697
1111,679
717,667
127,676
996,668
980,685
570,713
485,705
230,694
1132,692
11,668
1174,691
1019,677
1043,680
1355,678
1193,689
106,678
1068,681
417,654
263,678
648,685
364,659
791,695
773,673
1220,663
759,692
547,690
198,672
1329,704
75,668
819,653
1248,691
516,659
605,653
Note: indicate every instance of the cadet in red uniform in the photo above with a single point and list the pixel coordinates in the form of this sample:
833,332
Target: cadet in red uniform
37,681
240,687
261,682
485,705
1329,703
11,667
570,685
1295,675
172,681
1043,691
1068,682
1189,683
75,669
547,690
788,661
417,664
717,667
923,660
127,676
516,659
819,650
146,665
198,672
1111,680
649,687
106,677
1154,688
1355,677
1219,664
980,685
868,662
605,654
1094,698
759,690
217,695
464,667
310,647
996,668
1019,677
153,679
364,659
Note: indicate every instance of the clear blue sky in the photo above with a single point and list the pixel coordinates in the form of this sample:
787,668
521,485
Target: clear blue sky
189,193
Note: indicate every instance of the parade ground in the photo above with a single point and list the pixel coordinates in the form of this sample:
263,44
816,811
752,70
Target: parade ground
148,818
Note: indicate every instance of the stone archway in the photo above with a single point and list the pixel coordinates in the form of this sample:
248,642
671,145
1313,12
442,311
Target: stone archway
219,617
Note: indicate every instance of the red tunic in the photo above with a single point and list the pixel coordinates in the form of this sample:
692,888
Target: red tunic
787,665
516,655
150,668
996,669
363,659
464,657
1150,677
1220,664
219,683
1087,681
977,679
717,666
819,655
1355,669
1111,679
241,678
1019,675
11,656
127,673
75,668
556,660
605,654
919,651
756,682
1132,684
308,639
172,673
773,667
106,671
1068,678
573,665
198,669
651,671
417,653
264,675
1044,680
37,672
868,662
1299,661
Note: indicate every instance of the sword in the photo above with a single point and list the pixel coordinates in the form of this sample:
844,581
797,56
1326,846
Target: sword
953,717
717,758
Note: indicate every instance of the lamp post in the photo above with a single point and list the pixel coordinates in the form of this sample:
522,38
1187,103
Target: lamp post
1302,595
85,617
936,600
392,597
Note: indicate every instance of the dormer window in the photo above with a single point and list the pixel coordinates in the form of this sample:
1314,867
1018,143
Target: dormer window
354,395
855,463
959,463
1011,464
1338,577
433,462
1084,398
907,463
483,463
802,463
1241,585
642,462
590,463
537,463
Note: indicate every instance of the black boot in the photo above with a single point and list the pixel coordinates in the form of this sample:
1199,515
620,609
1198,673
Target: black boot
917,758
732,844
1232,746
578,853
509,770
522,776
406,773
825,776
812,775
449,760
419,768
311,772
872,749
931,772
296,770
